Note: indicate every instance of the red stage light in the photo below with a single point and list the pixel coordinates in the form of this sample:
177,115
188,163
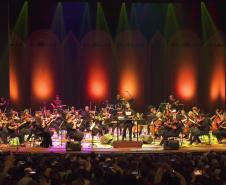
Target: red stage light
186,82
13,85
217,86
42,81
97,82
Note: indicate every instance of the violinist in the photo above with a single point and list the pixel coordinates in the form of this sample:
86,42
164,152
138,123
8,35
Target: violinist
220,132
13,127
45,131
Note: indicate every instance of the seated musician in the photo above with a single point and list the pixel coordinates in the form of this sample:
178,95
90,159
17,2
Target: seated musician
151,116
104,117
13,127
86,117
220,131
3,103
173,102
172,127
201,126
3,130
128,124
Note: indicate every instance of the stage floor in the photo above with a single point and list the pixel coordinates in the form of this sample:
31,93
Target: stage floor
87,147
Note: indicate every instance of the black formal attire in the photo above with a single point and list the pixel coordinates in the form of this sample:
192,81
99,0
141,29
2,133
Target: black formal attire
166,131
128,124
220,133
203,129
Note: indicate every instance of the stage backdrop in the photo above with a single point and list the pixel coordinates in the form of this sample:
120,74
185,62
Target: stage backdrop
95,69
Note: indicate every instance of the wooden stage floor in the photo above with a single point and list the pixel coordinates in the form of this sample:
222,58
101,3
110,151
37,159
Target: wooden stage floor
106,149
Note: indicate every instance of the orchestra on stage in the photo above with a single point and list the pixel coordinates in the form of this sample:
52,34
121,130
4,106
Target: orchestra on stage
169,119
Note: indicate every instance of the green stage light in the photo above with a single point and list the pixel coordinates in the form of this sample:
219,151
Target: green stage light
21,26
123,23
101,23
86,23
58,22
171,25
208,26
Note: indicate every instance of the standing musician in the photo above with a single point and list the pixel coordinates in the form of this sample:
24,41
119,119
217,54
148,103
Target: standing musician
44,128
128,124
220,131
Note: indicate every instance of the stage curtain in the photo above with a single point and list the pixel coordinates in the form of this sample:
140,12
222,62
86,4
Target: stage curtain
131,58
96,62
72,74
45,57
183,56
18,73
214,59
155,86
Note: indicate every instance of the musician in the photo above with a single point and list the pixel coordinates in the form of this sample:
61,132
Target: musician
43,123
87,117
25,124
120,101
3,103
173,102
200,127
220,132
3,129
57,103
172,128
151,116
13,127
128,124
196,111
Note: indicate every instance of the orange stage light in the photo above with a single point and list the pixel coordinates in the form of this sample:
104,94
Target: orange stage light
13,85
186,81
42,80
217,86
97,81
129,82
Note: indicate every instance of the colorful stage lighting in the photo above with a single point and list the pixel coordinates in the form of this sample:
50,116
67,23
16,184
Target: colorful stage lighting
217,86
186,82
42,80
128,83
97,82
13,85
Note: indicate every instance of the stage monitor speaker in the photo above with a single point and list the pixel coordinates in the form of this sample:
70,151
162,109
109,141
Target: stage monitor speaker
106,139
171,145
146,139
73,146
127,144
